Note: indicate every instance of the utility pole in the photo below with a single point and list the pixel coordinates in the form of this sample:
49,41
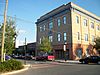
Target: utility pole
25,52
3,33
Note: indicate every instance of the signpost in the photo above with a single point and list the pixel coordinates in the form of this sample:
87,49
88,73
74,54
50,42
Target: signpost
65,50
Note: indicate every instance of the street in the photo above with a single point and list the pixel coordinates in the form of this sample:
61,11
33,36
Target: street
55,68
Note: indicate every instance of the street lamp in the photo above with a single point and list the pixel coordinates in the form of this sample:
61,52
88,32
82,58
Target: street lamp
65,50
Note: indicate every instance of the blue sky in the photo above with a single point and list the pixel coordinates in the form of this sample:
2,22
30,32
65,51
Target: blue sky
31,10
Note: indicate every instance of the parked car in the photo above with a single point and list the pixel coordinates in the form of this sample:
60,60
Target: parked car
44,57
28,57
41,58
7,57
51,57
90,59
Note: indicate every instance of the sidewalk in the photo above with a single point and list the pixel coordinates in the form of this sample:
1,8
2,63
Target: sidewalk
68,61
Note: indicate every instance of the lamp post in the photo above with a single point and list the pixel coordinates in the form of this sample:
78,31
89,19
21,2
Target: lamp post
65,50
25,52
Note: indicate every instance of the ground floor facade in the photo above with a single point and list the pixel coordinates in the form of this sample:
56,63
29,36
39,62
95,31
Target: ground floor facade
73,51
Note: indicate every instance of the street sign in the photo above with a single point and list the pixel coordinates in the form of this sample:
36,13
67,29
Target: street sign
64,47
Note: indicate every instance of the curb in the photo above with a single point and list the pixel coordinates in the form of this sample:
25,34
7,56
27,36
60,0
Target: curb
26,67
68,61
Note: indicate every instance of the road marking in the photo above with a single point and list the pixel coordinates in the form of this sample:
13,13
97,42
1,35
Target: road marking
36,66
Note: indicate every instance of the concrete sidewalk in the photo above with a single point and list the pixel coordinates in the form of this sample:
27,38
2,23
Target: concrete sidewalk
67,61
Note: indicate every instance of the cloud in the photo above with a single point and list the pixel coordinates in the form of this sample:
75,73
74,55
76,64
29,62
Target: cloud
21,31
19,43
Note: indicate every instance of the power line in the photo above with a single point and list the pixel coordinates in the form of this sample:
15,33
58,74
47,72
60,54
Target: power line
20,19
27,21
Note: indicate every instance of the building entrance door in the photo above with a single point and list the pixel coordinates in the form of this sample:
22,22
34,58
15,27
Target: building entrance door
67,54
59,54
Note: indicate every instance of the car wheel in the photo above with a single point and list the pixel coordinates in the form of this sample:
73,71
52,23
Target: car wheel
98,62
83,62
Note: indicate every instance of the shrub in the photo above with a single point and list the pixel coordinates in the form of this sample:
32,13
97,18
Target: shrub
10,65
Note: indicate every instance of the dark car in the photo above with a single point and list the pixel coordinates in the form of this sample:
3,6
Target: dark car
41,58
28,57
90,59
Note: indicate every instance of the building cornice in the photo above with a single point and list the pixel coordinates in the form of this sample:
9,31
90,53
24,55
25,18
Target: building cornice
78,8
65,7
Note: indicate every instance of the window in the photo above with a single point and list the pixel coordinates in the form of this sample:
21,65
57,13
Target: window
59,37
85,22
98,28
64,19
40,29
93,38
65,36
40,40
86,37
44,27
50,38
92,25
50,25
77,19
78,35
79,53
87,52
58,21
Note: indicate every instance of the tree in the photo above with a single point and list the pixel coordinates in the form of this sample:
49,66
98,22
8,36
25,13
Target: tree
10,34
45,45
97,44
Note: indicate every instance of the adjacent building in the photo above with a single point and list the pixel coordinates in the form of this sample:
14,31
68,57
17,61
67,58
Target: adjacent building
71,25
30,49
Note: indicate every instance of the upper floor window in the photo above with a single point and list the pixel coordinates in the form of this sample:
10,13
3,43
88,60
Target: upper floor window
50,25
58,22
98,27
65,36
59,36
92,25
77,19
50,38
86,37
40,40
40,29
64,19
78,35
85,22
93,38
44,27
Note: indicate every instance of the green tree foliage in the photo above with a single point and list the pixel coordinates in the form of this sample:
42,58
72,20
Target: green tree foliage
97,44
10,34
45,45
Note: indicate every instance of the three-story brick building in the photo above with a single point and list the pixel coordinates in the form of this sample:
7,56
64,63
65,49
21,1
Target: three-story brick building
72,25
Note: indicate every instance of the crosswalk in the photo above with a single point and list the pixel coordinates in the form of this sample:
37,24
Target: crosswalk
36,66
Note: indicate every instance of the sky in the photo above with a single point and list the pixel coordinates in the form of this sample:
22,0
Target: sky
28,11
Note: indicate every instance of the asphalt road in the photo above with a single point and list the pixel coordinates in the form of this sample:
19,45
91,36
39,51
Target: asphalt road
62,69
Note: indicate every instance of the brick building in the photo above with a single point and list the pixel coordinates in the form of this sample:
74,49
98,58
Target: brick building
30,49
72,25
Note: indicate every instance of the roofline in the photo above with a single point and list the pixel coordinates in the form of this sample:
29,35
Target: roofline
72,5
84,11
